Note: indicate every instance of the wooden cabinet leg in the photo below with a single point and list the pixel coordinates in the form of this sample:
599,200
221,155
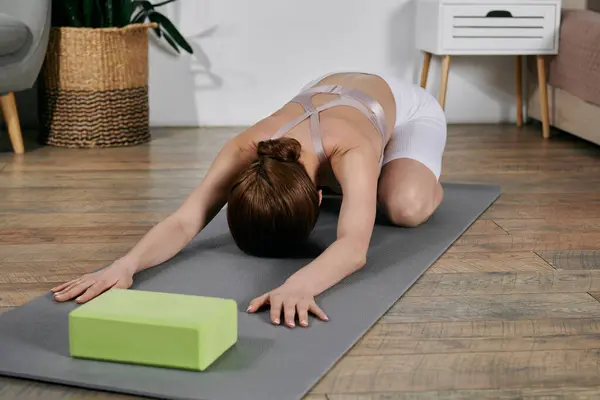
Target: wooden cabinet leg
425,71
9,109
543,87
519,89
444,83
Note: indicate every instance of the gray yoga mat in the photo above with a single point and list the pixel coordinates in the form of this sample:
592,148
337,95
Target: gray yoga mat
269,362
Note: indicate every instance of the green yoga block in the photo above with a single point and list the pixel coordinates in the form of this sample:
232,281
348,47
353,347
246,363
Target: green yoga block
153,328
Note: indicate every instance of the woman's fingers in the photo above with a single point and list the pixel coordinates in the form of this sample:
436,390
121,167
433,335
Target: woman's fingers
94,290
315,309
302,309
63,286
73,290
258,303
289,311
276,305
72,284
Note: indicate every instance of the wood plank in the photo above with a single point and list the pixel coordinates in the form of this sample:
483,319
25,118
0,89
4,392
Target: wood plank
454,371
40,271
73,239
31,390
493,150
78,164
507,137
558,199
141,176
555,393
97,206
20,282
595,295
558,224
479,336
108,234
530,183
521,165
533,242
493,307
559,205
498,212
488,262
66,252
491,283
110,179
21,294
84,220
485,227
98,195
572,259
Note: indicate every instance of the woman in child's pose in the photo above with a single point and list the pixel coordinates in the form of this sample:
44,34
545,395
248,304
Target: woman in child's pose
374,138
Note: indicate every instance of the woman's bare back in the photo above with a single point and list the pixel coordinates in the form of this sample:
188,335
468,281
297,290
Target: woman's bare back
342,127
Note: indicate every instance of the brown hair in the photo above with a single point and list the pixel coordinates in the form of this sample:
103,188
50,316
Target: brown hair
274,205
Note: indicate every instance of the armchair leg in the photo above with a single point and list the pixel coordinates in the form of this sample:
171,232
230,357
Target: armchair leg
11,116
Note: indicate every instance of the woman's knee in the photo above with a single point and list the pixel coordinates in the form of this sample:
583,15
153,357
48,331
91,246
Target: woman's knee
411,207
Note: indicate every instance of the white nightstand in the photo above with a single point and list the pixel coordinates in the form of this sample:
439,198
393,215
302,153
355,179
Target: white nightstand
490,27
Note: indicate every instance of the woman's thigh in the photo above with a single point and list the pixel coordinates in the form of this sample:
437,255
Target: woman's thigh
409,192
409,189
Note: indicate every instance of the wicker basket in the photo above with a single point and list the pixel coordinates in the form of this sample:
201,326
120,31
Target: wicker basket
94,87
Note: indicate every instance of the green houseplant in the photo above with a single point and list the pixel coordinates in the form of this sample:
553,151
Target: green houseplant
94,86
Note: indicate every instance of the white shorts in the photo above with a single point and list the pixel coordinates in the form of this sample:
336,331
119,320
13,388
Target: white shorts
420,131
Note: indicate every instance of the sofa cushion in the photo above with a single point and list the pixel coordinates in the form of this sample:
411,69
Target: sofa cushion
13,34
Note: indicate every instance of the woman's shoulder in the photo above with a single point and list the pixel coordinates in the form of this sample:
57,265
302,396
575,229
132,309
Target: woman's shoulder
341,135
261,130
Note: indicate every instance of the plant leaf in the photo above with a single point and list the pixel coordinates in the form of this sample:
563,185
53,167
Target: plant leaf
126,12
100,19
139,17
145,4
110,16
169,28
88,12
163,3
67,13
171,42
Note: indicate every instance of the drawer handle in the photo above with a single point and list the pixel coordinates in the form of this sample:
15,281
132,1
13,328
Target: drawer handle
499,14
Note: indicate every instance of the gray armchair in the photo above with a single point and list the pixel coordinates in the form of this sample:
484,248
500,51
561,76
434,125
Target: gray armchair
24,31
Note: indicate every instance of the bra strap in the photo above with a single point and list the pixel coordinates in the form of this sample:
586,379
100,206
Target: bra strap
304,100
369,106
348,97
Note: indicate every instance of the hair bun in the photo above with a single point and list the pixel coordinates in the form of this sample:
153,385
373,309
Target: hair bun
282,149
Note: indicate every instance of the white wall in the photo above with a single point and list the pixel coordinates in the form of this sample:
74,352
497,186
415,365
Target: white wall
253,55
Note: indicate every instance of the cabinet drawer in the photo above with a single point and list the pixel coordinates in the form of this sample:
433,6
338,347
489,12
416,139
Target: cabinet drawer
499,27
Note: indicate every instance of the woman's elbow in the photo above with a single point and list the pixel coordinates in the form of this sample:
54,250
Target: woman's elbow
361,262
359,258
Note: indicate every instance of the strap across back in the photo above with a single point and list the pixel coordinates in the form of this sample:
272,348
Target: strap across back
346,97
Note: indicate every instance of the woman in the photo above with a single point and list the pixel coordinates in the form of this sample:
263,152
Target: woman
375,138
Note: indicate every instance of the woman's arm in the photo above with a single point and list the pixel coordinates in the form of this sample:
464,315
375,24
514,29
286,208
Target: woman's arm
171,235
357,171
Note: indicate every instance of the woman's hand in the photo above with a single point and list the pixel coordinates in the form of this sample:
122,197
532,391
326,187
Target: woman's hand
91,285
292,301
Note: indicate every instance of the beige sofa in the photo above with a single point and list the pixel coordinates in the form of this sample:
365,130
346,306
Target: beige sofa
573,106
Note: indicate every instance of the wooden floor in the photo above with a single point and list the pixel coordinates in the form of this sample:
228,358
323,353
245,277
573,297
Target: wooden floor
509,312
